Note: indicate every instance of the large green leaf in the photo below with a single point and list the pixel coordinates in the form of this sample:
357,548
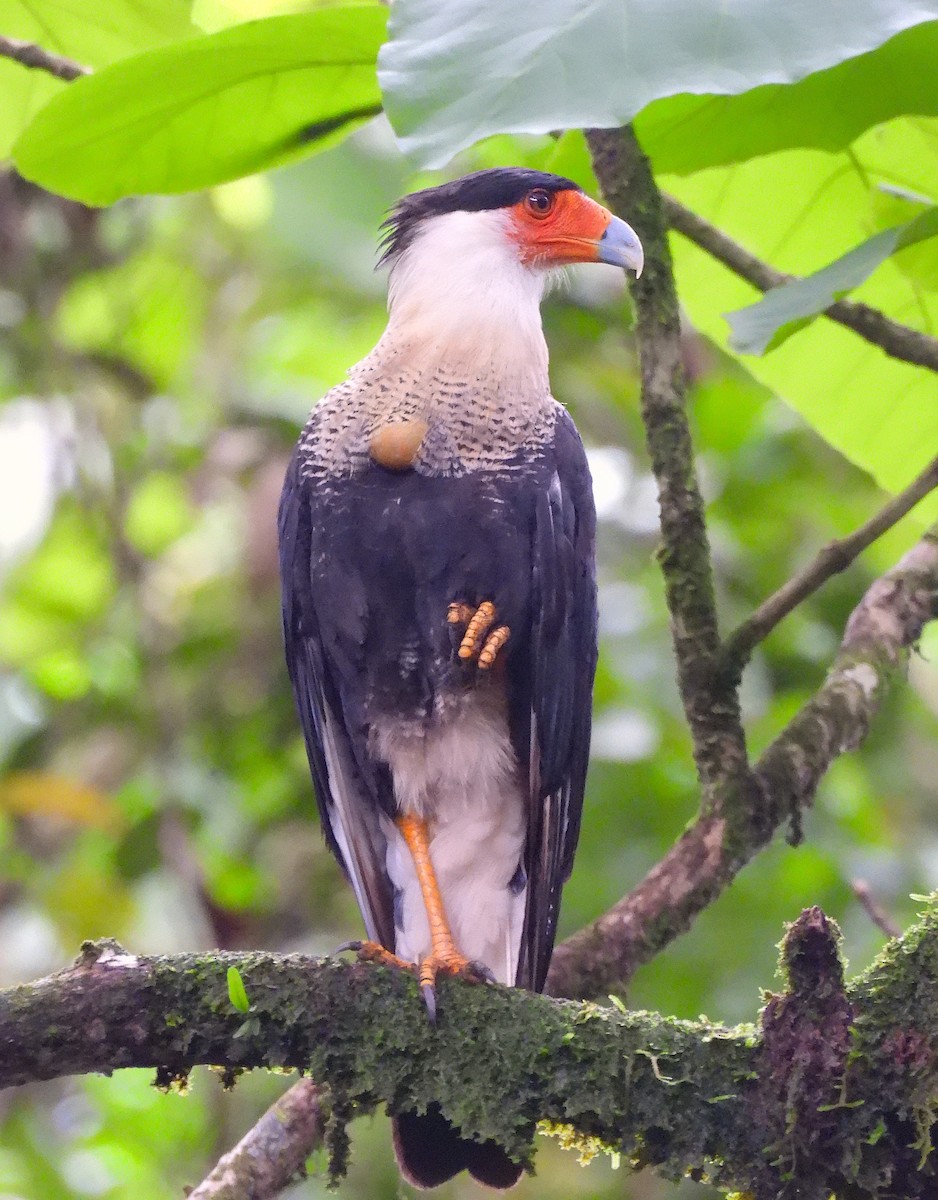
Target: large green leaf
827,110
209,109
782,311
456,72
212,15
795,209
91,34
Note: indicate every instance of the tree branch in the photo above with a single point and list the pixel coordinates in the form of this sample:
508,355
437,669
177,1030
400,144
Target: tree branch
886,623
881,630
897,340
30,55
822,1089
273,1152
499,1061
834,557
804,1062
710,702
880,918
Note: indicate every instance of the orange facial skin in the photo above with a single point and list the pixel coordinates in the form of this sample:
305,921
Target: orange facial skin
555,229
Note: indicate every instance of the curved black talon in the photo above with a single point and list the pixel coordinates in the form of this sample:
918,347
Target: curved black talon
355,945
481,971
428,992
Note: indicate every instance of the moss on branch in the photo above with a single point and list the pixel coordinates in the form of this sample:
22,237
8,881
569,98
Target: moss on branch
711,703
498,1062
841,1078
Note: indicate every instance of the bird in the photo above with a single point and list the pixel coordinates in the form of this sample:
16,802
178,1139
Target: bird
436,533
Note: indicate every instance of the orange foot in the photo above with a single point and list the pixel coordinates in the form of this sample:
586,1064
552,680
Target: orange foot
443,956
446,960
480,642
376,953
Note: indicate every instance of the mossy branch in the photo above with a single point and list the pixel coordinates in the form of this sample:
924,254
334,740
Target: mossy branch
821,1084
711,703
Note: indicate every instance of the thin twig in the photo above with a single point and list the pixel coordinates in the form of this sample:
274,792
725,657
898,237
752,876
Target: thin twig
836,556
28,54
711,703
897,340
272,1153
878,915
705,860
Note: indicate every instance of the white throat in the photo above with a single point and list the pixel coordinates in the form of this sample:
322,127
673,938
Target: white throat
460,295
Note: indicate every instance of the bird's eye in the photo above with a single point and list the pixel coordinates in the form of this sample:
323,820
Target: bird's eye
539,203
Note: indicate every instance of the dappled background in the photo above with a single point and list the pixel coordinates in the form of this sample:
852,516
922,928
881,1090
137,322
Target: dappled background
156,362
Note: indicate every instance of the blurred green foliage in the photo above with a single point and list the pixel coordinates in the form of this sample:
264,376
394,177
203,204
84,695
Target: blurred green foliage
159,362
156,362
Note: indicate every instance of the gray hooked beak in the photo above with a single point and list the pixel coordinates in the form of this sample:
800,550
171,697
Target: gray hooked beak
620,247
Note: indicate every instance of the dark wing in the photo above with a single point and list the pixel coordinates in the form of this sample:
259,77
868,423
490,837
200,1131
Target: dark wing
326,687
558,690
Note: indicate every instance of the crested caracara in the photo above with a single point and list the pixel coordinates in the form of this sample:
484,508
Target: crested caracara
439,603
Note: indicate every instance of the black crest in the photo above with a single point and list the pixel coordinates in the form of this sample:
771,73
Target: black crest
499,187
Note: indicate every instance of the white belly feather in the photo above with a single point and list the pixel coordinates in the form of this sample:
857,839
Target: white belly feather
462,777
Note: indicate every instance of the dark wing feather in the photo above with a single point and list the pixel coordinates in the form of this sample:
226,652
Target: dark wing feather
325,688
562,663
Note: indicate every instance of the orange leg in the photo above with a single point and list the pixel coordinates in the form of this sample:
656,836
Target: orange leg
443,954
480,641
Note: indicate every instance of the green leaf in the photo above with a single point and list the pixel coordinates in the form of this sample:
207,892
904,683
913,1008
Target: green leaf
237,993
786,309
212,15
457,72
796,209
209,109
92,35
827,110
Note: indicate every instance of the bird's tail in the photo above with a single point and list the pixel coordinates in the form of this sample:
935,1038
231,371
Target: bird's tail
430,1151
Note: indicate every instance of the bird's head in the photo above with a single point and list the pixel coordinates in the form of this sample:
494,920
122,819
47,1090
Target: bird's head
535,219
481,248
